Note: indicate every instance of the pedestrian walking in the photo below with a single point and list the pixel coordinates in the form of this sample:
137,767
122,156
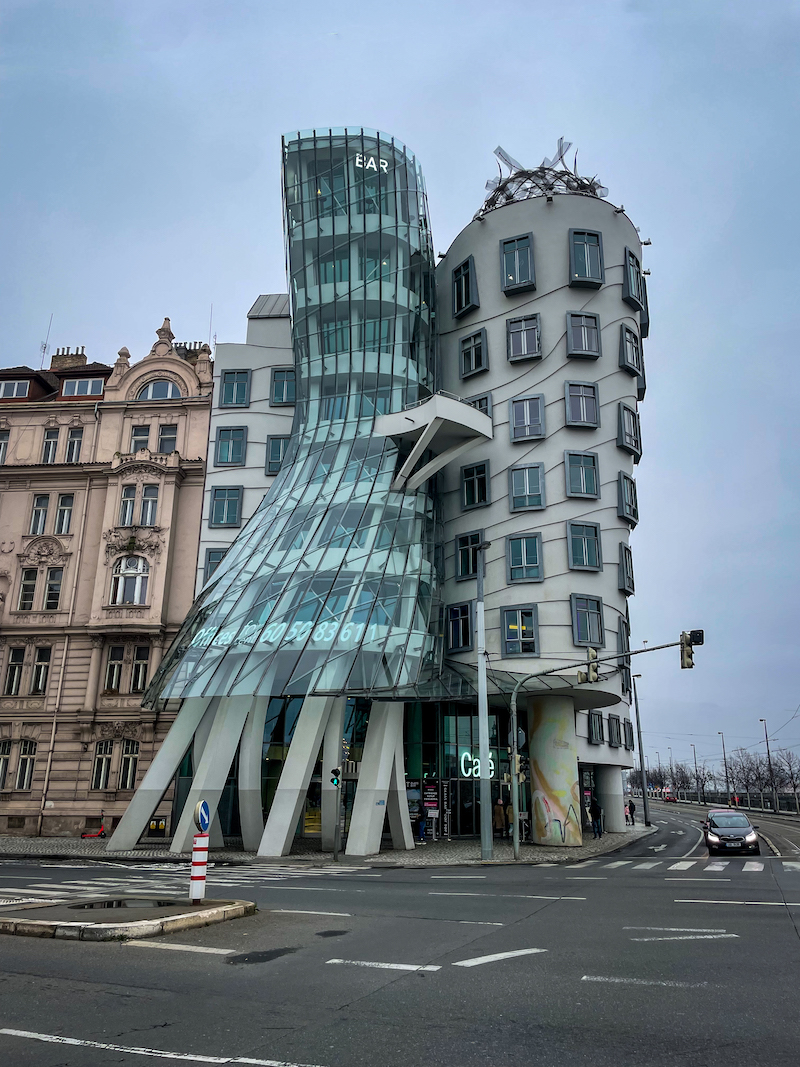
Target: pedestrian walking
499,817
596,814
627,813
510,818
632,807
421,824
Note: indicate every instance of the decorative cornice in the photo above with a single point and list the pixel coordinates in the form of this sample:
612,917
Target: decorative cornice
44,551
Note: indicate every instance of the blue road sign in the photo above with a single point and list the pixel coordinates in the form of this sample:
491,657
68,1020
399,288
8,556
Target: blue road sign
202,816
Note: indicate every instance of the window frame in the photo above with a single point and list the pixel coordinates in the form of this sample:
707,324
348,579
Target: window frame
462,485
537,537
148,503
234,404
626,581
286,438
139,666
633,296
473,340
596,734
74,444
459,577
622,511
147,387
212,498
614,731
510,288
472,401
471,621
633,450
26,764
136,430
52,437
636,369
40,671
142,584
584,353
588,642
16,382
37,528
14,668
53,587
5,437
568,420
75,382
114,667
537,354
23,583
511,424
273,403
628,739
578,495
206,564
169,437
5,760
504,642
624,646
577,281
526,507
218,441
644,314
571,564
129,764
472,301
101,765
127,504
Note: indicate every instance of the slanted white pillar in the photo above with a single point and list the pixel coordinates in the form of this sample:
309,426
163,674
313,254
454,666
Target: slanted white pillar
215,838
331,757
211,771
555,794
397,801
608,786
384,728
295,776
159,774
250,760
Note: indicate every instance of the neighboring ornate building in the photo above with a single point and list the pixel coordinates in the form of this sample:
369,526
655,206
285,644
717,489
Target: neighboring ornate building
99,465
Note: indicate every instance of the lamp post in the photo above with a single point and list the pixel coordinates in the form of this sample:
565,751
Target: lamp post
483,714
769,764
725,762
671,769
645,802
660,779
696,774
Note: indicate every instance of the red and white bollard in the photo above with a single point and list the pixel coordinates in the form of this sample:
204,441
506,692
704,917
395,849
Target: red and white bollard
197,884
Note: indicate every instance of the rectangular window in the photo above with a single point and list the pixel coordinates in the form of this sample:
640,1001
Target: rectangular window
141,660
276,450
335,267
584,546
41,503
52,595
624,645
629,432
231,446
596,735
482,403
465,288
235,389
102,764
41,670
116,655
74,442
140,437
336,334
5,756
526,487
126,505
214,556
27,762
583,336
516,264
626,723
50,446
467,554
523,339
226,506
524,558
583,405
582,479
587,620
27,589
13,389
632,282
16,657
630,350
167,439
474,356
527,418
644,317
626,569
4,436
82,387
627,501
129,764
520,631
586,259
283,387
474,485
614,732
149,505
459,627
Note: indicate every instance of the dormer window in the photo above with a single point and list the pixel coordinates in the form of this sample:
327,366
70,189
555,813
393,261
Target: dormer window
10,390
160,389
83,387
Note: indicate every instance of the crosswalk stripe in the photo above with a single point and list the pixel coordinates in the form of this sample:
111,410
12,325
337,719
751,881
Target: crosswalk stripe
617,863
583,863
720,866
682,865
647,866
791,865
753,865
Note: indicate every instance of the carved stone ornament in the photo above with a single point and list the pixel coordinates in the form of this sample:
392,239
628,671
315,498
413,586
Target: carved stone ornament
44,552
119,729
7,546
132,541
138,472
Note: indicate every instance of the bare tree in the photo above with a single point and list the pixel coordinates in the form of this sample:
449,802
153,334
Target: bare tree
788,761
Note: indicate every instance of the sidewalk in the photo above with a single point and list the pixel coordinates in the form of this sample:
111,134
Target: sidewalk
434,854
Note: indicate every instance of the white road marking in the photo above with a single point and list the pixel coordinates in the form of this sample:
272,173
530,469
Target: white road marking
676,929
583,863
791,865
617,863
311,889
454,877
663,822
586,878
753,865
656,848
764,903
476,961
507,896
644,981
682,865
388,966
290,911
686,937
28,892
724,863
55,1039
648,866
477,922
179,948
712,879
460,894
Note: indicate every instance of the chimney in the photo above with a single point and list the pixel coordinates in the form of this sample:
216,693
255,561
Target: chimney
66,359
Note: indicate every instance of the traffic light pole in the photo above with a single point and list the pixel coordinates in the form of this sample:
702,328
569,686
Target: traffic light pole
487,844
645,799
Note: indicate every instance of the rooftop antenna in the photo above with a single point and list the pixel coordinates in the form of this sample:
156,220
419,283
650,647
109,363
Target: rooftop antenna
45,346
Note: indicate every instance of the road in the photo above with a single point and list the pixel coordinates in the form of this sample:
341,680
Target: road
655,955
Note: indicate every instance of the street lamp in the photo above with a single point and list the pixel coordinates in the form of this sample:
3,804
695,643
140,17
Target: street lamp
671,769
725,762
769,764
645,802
697,775
483,713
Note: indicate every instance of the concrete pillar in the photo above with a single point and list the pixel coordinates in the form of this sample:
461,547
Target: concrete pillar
608,786
397,802
331,757
377,763
250,760
215,838
555,791
295,776
211,769
159,774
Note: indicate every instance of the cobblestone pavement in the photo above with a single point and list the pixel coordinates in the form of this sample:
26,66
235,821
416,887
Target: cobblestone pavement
433,854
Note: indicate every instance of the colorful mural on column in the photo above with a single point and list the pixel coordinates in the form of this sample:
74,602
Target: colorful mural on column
556,813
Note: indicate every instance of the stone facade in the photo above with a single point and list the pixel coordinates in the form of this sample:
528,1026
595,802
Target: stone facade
100,466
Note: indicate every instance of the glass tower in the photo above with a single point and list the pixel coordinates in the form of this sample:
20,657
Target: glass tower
332,586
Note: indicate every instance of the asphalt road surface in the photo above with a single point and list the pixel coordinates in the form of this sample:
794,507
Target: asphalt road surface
655,955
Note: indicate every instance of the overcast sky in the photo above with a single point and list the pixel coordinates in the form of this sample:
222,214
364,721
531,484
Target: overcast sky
141,178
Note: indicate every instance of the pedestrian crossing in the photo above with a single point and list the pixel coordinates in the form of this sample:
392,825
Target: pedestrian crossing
703,864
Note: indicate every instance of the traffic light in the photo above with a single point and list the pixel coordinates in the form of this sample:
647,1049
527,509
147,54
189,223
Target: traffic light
590,674
697,637
336,776
524,768
687,656
517,763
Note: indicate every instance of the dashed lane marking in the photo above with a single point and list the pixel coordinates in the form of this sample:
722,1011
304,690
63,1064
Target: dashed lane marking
388,966
686,937
294,911
643,981
477,961
747,903
456,877
179,948
676,929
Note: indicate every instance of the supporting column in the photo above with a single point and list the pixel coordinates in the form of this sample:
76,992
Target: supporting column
90,696
331,757
555,793
159,774
397,802
608,786
250,760
295,776
211,771
215,838
380,753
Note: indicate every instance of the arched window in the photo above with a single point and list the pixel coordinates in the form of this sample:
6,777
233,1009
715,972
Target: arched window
129,581
160,389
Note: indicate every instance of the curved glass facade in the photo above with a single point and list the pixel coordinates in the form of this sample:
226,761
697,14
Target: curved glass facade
332,586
